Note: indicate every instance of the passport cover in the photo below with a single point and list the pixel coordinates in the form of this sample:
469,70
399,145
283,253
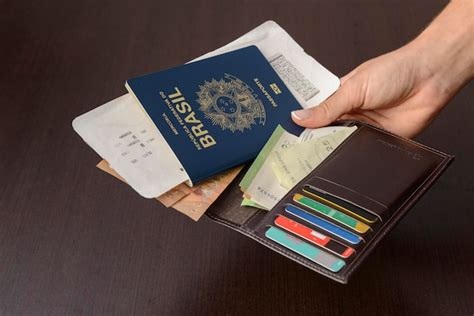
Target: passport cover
217,113
373,169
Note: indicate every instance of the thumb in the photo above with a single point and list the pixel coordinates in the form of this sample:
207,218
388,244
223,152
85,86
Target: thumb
341,102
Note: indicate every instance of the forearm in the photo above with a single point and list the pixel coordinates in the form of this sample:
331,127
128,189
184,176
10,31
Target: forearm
446,47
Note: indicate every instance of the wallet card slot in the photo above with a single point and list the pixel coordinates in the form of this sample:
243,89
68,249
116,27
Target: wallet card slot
305,249
325,225
326,230
339,204
342,219
347,196
313,236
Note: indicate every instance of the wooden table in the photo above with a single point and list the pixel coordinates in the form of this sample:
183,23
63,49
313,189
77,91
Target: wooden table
76,241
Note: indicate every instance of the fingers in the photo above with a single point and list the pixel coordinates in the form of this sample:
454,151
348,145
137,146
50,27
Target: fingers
341,102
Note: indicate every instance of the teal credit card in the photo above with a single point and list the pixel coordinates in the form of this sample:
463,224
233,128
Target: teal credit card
303,248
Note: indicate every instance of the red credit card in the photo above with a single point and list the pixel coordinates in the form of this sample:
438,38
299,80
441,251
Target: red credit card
313,236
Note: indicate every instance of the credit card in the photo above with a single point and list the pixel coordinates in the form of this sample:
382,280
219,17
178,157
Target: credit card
314,254
341,205
336,215
323,224
313,236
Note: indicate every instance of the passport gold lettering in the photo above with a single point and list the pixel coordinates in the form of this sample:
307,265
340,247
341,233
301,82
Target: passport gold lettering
191,118
198,131
176,94
197,128
265,92
178,100
207,141
183,107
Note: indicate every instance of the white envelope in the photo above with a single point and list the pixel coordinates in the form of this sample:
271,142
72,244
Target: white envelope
121,133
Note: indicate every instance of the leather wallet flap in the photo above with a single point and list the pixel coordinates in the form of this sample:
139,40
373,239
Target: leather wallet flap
375,170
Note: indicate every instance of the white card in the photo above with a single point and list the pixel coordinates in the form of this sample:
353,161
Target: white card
157,173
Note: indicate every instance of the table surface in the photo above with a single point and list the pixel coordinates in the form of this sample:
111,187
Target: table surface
76,241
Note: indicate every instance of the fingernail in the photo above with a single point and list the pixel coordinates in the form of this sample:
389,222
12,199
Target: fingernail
301,114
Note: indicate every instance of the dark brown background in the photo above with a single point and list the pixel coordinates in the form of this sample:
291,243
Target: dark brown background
76,241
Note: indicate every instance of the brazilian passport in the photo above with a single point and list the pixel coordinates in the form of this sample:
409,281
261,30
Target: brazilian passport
218,112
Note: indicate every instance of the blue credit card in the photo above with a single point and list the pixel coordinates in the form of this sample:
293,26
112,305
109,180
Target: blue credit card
323,224
306,250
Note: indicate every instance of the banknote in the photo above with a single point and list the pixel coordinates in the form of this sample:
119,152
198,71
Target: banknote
192,202
291,165
167,199
249,202
285,160
204,194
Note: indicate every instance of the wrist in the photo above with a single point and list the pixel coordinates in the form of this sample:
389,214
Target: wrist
443,51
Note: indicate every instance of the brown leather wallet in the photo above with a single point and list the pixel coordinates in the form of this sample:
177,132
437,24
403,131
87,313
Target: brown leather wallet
373,171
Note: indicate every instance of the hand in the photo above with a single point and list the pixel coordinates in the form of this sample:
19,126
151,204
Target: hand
390,91
404,90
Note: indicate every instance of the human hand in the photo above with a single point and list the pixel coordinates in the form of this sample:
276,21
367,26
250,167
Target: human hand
390,91
404,90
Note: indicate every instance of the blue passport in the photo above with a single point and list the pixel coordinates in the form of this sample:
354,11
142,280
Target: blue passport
218,112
